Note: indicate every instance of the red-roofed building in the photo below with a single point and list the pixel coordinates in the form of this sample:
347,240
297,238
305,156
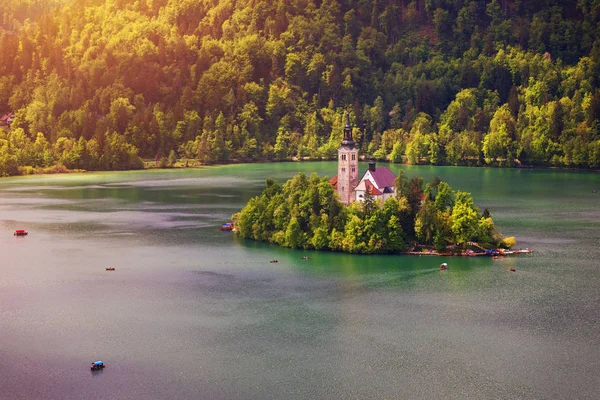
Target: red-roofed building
366,186
378,181
7,119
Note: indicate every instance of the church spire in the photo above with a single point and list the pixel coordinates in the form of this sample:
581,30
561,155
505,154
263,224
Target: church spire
348,141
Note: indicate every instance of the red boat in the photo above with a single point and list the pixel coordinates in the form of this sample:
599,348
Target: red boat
227,226
110,268
20,232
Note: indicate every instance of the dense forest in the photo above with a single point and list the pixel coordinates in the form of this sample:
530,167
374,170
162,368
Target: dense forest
97,84
306,213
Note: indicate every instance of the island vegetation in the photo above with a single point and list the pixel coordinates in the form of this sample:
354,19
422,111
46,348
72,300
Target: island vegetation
99,84
305,213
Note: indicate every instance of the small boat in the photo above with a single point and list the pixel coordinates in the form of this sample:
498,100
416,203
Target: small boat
273,261
493,253
110,268
227,226
523,251
20,232
305,258
97,365
512,269
443,266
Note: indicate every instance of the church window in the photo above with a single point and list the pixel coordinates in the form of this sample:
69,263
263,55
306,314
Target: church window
343,169
353,156
343,157
353,169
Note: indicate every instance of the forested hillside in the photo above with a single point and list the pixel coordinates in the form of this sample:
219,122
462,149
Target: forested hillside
96,84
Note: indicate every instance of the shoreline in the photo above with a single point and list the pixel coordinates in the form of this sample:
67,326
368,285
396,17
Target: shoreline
493,253
192,163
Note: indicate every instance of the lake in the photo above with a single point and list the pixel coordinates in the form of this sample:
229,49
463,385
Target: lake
191,312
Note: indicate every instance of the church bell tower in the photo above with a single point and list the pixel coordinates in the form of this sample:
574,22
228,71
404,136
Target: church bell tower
347,165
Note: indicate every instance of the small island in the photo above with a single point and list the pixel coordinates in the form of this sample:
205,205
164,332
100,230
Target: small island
382,213
306,213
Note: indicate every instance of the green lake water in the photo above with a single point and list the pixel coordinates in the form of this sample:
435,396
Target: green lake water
195,313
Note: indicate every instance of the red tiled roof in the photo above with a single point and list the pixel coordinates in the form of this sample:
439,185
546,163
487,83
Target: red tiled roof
372,189
383,177
334,182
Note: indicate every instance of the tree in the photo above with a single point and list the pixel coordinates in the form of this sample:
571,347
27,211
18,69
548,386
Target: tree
498,144
425,226
121,112
464,218
414,194
172,158
444,198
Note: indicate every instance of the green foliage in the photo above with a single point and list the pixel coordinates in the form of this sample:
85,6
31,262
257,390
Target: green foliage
305,213
172,158
430,82
425,227
465,219
498,145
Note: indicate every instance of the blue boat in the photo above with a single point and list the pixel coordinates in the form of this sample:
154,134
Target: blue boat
97,365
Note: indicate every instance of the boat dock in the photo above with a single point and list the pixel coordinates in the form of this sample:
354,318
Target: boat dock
470,253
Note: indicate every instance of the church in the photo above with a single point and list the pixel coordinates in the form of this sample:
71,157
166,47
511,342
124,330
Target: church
378,181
